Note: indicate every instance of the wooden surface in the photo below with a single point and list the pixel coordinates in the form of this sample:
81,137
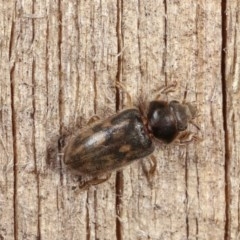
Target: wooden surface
59,64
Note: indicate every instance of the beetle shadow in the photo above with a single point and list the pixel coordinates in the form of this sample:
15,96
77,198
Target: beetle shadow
53,159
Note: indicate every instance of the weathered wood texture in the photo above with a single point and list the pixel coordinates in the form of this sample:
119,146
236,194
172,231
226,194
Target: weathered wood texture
59,63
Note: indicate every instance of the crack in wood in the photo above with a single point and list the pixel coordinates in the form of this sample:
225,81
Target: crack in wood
119,174
225,121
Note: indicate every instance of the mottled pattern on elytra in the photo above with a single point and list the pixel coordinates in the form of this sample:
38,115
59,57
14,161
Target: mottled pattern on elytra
110,144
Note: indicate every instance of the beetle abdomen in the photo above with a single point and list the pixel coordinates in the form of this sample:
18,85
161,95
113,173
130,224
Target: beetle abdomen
110,144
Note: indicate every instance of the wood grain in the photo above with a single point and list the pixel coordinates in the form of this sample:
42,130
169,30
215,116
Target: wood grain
59,64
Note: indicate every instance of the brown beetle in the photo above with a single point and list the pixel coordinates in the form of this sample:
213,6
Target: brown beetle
125,137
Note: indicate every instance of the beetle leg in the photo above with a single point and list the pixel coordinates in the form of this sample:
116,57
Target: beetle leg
166,89
121,86
195,125
187,137
93,119
153,165
149,173
93,182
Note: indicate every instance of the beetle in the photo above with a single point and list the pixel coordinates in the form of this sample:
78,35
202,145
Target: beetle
117,141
